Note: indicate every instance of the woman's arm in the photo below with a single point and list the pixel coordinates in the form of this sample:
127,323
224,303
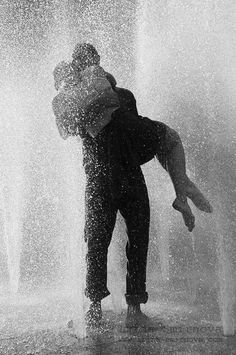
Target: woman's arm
69,120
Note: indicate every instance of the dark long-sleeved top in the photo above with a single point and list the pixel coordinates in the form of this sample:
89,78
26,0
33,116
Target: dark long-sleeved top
128,140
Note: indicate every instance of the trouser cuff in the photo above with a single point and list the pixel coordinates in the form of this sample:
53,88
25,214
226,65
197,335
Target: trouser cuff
96,296
136,299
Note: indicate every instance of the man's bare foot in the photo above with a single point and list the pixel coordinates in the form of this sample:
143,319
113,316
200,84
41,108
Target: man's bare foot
137,319
93,316
197,197
188,217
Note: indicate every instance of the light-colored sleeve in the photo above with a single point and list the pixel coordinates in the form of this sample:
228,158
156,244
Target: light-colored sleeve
68,119
96,100
96,90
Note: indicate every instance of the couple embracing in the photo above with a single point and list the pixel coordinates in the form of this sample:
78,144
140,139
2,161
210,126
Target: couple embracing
116,141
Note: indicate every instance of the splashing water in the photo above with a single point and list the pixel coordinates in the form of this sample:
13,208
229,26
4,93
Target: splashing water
181,73
181,79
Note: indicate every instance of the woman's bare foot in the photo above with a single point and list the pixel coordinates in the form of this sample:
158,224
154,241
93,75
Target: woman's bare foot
197,197
188,217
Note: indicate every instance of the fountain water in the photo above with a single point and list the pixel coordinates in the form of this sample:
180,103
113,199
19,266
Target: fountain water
12,189
42,178
181,80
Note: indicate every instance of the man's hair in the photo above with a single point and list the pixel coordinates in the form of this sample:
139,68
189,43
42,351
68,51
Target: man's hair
62,71
85,55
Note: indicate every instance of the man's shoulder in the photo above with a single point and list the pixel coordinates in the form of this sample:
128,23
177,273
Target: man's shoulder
126,96
124,91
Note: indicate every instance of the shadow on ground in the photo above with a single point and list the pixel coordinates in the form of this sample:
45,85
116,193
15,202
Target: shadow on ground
173,335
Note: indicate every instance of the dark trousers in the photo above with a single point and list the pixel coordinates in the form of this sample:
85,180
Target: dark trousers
127,193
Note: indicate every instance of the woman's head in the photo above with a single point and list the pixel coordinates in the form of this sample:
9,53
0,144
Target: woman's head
85,55
63,73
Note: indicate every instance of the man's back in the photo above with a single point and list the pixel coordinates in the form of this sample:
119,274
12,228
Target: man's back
112,146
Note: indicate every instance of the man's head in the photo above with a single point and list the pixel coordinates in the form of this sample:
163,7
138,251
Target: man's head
63,72
85,55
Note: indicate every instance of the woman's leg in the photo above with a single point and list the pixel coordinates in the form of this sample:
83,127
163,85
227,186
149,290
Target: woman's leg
153,137
144,138
184,187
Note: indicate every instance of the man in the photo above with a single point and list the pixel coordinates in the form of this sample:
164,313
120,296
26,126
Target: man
114,182
107,192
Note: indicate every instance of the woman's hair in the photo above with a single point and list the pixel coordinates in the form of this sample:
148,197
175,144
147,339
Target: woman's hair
85,55
61,73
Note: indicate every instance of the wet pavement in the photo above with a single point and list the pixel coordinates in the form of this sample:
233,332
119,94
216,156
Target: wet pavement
178,330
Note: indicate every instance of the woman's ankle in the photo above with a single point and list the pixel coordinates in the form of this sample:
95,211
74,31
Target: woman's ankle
180,187
181,197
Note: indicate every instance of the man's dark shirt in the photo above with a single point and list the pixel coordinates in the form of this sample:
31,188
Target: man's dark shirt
111,144
128,140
